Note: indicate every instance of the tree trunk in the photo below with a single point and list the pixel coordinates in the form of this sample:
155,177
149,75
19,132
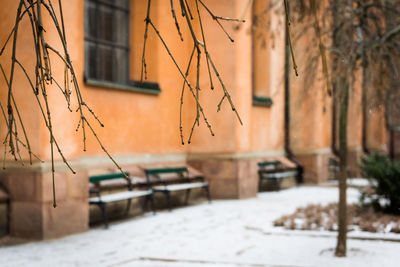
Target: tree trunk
341,246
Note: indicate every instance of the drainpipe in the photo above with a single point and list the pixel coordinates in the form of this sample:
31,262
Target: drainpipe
365,148
364,104
390,131
392,155
334,131
288,151
334,128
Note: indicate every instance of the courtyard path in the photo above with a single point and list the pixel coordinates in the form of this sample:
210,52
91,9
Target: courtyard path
224,233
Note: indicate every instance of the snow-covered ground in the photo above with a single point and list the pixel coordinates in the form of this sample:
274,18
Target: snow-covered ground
221,234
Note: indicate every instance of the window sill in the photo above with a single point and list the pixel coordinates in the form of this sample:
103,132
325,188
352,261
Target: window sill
145,88
262,101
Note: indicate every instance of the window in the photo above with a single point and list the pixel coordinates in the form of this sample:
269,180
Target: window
107,40
261,54
107,45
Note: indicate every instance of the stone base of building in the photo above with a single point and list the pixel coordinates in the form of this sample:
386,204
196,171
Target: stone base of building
353,160
267,185
231,176
315,167
32,214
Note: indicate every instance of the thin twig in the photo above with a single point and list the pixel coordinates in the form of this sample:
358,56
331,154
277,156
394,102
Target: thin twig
11,79
44,117
288,24
19,116
183,76
218,18
248,6
226,93
322,49
176,20
205,45
147,20
182,92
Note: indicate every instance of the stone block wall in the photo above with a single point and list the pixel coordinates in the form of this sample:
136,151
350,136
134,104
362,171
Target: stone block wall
315,167
234,176
229,178
32,214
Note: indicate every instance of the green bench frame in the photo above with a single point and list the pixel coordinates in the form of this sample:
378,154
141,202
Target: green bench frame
182,182
102,200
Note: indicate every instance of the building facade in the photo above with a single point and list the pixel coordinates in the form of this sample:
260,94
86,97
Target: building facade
283,115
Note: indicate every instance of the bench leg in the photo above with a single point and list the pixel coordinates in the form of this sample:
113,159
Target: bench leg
167,194
187,196
128,206
152,204
207,188
144,205
8,215
151,199
279,182
103,210
260,181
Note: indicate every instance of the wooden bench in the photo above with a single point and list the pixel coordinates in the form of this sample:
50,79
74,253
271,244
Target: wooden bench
101,200
275,171
172,179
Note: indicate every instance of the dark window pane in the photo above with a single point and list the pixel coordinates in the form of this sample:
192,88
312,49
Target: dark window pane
121,63
117,3
105,63
112,2
91,60
106,23
122,3
90,19
121,31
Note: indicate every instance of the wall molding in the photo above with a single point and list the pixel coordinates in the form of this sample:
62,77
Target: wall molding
310,152
133,159
234,155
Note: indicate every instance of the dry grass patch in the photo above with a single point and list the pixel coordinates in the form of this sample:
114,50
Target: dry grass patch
361,218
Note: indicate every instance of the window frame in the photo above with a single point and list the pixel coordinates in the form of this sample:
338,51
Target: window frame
128,85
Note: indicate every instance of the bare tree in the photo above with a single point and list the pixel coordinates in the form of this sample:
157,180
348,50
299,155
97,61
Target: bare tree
363,34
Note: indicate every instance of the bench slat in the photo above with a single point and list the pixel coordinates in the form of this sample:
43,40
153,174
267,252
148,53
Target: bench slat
269,163
279,175
178,187
166,170
119,196
109,176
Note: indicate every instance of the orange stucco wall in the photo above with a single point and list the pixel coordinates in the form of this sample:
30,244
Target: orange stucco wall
137,123
267,124
29,110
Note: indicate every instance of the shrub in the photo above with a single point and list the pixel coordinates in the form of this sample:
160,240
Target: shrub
384,177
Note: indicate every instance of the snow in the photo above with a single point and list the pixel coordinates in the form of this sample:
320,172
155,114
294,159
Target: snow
354,182
224,233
